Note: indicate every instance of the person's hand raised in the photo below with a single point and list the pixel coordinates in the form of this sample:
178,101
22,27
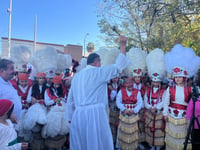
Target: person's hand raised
122,41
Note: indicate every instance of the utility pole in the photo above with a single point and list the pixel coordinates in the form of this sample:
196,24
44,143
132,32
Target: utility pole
35,32
84,43
9,28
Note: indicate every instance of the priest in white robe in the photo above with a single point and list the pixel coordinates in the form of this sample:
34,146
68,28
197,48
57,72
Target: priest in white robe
7,91
87,102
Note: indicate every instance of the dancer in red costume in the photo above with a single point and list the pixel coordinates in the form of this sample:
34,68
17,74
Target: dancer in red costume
153,100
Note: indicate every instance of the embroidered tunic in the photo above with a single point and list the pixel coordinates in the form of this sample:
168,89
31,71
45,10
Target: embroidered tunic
128,126
23,93
175,105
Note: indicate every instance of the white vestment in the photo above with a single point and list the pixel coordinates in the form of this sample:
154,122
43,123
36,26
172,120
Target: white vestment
86,104
7,135
7,91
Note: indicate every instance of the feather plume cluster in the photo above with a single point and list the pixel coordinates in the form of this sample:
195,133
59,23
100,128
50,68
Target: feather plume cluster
45,59
63,62
183,57
137,59
156,63
110,57
101,52
20,54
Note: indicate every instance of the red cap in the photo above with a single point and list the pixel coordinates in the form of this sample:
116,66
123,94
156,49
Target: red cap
41,75
22,76
5,106
57,80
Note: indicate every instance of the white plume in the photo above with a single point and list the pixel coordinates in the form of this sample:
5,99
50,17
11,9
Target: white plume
101,52
63,62
45,59
155,63
20,54
110,57
137,58
183,57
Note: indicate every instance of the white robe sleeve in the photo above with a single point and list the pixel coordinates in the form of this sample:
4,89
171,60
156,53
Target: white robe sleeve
166,102
146,104
139,104
29,96
119,101
112,71
70,107
47,100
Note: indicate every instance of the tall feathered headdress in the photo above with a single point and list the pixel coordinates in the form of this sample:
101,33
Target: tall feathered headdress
45,60
63,61
110,57
137,66
20,55
101,52
182,61
156,65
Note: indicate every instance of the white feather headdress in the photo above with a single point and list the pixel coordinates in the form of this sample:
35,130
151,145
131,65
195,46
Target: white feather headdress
156,65
137,66
110,57
45,60
101,52
20,55
63,62
182,61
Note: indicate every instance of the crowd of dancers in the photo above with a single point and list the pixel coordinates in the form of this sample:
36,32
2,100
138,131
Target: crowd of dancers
149,102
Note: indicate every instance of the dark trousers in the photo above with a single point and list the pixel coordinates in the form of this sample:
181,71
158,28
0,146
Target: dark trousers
195,139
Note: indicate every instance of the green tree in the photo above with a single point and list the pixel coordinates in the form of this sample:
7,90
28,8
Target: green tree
90,47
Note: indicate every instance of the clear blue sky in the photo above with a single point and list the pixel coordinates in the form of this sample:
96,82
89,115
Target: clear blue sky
58,21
